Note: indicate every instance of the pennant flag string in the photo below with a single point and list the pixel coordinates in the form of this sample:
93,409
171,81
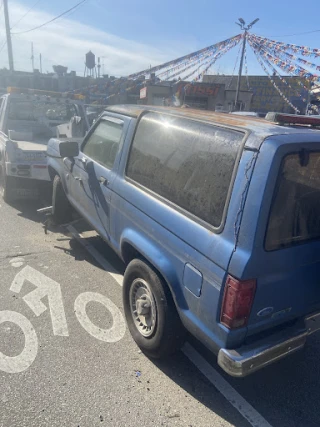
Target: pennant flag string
268,59
283,80
300,83
210,52
191,64
196,58
232,44
210,61
291,58
286,66
185,57
303,50
260,60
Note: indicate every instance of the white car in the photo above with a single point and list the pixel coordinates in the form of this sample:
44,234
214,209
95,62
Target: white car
28,119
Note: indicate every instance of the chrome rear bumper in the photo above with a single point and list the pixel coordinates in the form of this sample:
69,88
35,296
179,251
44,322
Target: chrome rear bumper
250,358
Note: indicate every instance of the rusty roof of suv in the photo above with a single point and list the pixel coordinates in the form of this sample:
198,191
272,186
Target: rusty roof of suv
261,128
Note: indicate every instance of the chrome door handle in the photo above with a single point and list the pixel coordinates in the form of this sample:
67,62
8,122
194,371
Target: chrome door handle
103,180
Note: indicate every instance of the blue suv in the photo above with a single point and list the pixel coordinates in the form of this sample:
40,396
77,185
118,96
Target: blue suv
217,218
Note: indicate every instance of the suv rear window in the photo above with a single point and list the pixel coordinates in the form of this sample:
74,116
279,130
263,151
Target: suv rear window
187,162
295,211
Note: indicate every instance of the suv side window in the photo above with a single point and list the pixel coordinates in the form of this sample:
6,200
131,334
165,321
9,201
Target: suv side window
187,162
103,144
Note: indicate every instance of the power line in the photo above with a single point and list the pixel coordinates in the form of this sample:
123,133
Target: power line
54,19
71,13
27,13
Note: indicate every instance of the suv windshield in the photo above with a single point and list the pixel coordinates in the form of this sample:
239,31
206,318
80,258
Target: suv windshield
295,211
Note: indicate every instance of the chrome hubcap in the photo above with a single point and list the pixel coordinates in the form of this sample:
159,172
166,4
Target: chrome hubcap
143,307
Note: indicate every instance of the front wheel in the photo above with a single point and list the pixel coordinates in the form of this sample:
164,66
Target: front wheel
150,312
6,185
61,208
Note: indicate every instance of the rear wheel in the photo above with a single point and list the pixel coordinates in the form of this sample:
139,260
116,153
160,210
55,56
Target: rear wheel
6,185
150,312
61,208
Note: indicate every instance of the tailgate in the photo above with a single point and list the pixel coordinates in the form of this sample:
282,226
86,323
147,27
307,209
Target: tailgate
288,286
284,257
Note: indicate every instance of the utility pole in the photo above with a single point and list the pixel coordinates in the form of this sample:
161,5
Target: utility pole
32,56
103,58
9,43
240,70
99,68
40,58
243,26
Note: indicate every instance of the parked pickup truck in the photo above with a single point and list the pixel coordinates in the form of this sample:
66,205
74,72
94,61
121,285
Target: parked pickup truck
28,119
217,218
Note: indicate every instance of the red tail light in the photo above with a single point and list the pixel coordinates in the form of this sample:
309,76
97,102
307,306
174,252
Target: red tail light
237,302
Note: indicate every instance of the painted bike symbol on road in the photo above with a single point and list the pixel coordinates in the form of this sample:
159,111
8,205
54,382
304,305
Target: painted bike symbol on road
46,287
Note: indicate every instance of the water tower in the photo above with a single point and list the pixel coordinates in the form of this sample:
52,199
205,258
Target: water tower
90,65
60,70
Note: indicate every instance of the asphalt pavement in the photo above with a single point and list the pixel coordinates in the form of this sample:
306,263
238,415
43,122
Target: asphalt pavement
67,358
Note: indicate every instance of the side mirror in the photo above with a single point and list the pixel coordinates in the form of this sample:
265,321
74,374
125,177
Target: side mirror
69,149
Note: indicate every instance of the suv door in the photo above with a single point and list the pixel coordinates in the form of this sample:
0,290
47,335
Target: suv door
94,170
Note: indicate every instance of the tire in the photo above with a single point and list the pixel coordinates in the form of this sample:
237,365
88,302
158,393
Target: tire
157,329
7,185
61,208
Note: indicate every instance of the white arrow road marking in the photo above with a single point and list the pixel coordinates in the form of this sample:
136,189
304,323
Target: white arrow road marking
118,328
24,360
45,287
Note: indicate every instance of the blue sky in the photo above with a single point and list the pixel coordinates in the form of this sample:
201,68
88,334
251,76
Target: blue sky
132,34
